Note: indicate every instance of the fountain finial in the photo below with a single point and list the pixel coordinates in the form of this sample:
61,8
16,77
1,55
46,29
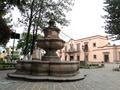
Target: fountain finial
52,20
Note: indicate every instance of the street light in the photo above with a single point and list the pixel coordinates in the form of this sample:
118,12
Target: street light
14,36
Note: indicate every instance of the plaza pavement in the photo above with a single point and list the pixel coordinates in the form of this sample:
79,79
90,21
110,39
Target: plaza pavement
96,79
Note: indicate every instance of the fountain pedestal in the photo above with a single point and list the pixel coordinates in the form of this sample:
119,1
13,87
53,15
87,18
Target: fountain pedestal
50,67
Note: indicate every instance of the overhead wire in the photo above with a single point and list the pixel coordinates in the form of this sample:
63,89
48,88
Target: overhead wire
67,35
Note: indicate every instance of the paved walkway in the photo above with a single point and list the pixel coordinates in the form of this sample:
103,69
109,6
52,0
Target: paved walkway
97,79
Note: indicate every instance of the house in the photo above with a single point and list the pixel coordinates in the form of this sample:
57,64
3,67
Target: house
3,56
90,49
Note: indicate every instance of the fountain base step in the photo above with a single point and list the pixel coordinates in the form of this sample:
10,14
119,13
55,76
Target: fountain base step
77,77
47,70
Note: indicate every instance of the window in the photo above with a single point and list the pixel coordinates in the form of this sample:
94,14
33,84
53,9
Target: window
66,58
86,48
78,58
86,57
65,48
94,44
71,58
71,46
94,56
78,46
119,56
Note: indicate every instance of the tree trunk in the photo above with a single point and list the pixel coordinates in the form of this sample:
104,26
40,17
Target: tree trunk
29,28
35,30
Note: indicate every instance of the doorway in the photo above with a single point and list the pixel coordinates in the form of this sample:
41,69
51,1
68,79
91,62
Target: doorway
71,58
106,58
78,58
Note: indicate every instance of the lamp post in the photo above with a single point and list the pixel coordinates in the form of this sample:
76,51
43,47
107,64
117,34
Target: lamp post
13,47
14,36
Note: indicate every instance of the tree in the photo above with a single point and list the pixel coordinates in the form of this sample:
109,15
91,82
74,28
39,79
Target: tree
15,55
37,13
22,41
4,32
5,7
112,7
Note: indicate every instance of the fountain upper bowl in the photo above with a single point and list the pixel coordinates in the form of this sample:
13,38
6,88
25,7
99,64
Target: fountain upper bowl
48,43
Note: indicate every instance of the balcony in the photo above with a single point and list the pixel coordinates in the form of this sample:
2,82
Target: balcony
85,48
72,50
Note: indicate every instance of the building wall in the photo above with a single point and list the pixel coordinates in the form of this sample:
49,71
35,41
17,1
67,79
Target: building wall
98,50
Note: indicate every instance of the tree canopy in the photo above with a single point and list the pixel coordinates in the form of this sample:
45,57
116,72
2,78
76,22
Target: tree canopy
37,14
22,41
112,19
40,10
5,7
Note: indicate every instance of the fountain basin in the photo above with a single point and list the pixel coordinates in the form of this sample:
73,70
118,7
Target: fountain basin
35,70
47,68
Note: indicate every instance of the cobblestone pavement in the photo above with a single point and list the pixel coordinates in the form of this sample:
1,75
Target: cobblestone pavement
97,79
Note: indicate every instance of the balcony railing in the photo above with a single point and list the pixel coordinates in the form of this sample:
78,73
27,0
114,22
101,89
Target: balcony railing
86,50
73,50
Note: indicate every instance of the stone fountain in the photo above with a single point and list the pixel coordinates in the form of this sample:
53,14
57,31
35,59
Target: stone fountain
50,68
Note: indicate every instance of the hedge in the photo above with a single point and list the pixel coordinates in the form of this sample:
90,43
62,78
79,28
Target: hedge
7,66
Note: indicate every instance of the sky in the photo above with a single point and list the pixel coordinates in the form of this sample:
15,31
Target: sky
86,20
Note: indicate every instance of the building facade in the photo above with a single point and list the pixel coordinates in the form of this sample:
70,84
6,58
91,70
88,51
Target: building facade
90,49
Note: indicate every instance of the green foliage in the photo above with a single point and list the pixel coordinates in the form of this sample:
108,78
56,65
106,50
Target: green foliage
42,9
15,55
38,12
6,66
35,14
5,7
92,66
4,32
22,41
112,7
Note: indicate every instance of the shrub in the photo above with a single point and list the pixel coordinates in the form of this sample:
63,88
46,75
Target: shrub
6,66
